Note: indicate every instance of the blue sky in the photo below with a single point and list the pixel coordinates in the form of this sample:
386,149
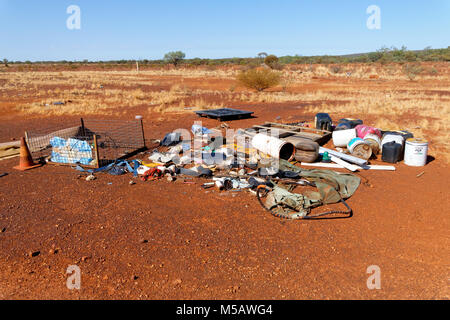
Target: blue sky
138,29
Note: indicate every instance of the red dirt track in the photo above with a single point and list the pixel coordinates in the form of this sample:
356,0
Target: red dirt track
162,240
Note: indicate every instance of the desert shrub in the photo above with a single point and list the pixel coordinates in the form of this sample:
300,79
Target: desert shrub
271,60
273,63
433,71
412,70
259,79
336,69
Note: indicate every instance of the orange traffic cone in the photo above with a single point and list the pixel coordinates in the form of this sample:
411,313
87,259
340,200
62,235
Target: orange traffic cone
26,161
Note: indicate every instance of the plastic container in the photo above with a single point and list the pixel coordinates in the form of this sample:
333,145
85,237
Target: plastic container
273,147
416,152
389,137
363,130
403,133
360,148
341,138
374,141
391,152
348,123
323,121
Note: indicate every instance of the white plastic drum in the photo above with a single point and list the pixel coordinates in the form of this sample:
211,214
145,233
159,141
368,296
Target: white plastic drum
416,152
341,138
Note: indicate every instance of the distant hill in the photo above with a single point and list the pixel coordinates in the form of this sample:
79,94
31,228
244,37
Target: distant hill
384,55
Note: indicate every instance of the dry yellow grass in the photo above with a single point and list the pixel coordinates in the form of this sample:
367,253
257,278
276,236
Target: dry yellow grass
380,93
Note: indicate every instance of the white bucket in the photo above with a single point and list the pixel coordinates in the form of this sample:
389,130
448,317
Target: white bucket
341,138
374,141
392,137
274,147
416,152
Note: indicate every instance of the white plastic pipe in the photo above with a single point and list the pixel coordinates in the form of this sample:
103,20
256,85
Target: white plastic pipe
378,167
338,166
343,156
274,147
345,164
322,165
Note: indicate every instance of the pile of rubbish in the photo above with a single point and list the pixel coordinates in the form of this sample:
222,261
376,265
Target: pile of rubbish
242,166
263,160
357,143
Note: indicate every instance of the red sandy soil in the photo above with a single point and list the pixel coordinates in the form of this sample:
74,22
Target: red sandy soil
170,240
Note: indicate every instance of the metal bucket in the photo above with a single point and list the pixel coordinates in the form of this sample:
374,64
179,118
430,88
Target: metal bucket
416,152
374,141
360,148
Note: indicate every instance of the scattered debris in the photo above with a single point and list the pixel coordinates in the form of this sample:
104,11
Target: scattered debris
262,160
85,258
177,282
53,251
33,254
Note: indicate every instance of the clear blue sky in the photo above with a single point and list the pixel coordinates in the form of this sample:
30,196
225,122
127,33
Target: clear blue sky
146,29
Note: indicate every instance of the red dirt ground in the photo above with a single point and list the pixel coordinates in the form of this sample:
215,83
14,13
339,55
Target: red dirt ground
163,240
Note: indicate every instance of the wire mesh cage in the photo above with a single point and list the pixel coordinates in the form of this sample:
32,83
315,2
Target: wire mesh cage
89,143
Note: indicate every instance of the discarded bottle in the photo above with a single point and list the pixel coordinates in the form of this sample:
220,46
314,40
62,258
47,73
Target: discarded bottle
391,152
326,157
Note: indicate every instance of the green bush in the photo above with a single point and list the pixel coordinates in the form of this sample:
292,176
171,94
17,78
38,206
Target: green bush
259,79
175,57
